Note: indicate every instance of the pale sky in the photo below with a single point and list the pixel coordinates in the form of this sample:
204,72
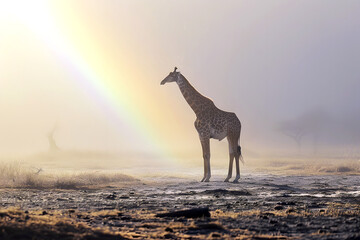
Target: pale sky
93,69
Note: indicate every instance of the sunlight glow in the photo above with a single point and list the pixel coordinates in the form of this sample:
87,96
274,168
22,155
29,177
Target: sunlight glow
57,26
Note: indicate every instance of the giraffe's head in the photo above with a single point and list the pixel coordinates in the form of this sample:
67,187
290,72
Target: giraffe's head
172,77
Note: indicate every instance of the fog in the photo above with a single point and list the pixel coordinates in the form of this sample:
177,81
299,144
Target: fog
289,70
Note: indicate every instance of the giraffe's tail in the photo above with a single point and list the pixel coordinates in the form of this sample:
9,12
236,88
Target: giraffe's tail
240,155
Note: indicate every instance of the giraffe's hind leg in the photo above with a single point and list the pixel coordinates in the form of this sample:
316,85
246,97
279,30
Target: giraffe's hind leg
237,157
231,161
233,145
236,180
232,153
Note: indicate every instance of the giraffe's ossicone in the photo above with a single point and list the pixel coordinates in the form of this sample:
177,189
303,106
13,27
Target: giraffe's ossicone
210,122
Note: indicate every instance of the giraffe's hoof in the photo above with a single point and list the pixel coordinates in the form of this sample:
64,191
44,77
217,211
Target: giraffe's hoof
226,180
207,180
202,180
236,181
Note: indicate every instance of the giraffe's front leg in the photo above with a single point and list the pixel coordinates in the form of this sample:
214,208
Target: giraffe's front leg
205,168
230,167
205,143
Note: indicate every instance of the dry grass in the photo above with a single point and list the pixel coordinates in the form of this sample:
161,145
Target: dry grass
333,210
320,166
17,224
14,174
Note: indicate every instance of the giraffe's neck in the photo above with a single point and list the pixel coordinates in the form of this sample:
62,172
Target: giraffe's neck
196,101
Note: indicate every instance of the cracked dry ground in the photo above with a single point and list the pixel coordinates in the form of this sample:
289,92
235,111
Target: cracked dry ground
260,207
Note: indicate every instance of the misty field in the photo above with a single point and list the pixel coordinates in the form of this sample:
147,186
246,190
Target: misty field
122,119
293,201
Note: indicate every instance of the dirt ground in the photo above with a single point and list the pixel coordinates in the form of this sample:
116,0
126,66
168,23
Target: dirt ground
259,207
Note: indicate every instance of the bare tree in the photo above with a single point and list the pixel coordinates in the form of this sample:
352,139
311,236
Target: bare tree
311,123
52,143
292,130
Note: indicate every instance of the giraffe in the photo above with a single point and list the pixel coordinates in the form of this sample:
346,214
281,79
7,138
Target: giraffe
210,122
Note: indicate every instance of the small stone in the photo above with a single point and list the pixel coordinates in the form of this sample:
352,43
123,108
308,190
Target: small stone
349,221
273,221
168,229
168,235
278,208
215,235
290,210
44,213
190,213
269,214
111,197
290,203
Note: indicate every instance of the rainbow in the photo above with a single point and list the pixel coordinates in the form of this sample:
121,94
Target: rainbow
97,67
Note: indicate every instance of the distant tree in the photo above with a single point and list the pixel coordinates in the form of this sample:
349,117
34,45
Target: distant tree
292,130
52,143
310,123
